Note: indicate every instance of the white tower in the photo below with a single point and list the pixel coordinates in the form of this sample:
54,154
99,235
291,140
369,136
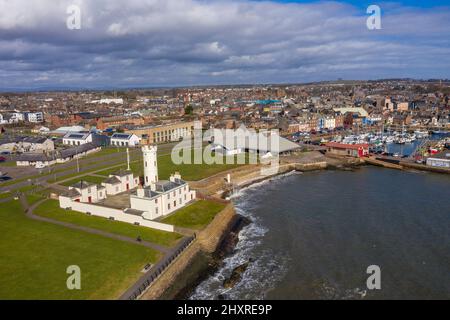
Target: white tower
150,165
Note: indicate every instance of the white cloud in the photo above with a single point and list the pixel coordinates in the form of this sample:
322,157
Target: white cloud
164,42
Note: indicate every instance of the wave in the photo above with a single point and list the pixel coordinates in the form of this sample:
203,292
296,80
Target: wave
267,267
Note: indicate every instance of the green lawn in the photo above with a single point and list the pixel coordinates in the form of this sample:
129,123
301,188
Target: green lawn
35,256
91,179
34,198
51,209
189,172
196,216
8,164
5,195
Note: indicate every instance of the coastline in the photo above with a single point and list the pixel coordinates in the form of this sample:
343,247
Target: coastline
219,239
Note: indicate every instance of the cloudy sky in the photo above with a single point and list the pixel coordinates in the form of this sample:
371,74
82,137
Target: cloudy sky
128,43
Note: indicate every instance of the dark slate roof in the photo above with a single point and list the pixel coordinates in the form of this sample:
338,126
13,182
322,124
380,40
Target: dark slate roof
32,157
83,185
442,156
77,135
165,186
18,139
148,193
72,193
134,212
121,136
122,173
112,180
76,150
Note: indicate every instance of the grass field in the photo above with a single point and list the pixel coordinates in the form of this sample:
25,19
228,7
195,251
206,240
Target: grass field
196,216
35,256
189,172
34,198
91,179
51,209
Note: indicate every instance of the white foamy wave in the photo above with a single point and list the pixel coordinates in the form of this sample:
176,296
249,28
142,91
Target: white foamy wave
262,274
257,185
330,292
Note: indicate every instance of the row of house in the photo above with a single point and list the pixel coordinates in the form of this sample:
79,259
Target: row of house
22,144
41,160
117,139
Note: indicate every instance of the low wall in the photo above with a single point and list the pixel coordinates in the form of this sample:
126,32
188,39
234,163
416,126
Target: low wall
118,215
211,237
208,240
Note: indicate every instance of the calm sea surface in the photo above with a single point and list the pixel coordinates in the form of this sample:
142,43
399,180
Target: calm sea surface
314,235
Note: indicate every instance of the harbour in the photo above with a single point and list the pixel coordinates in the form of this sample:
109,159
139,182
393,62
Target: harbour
314,234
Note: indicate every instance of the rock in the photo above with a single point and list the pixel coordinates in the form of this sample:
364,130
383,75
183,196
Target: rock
236,276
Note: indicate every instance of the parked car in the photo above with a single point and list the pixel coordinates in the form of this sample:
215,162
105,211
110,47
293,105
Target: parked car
2,159
40,166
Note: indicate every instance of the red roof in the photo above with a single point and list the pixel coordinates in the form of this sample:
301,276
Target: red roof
347,146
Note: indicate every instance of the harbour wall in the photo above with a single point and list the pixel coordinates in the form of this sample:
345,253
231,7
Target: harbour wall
207,241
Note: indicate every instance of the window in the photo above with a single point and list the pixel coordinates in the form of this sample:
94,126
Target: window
184,197
156,210
156,201
174,203
168,206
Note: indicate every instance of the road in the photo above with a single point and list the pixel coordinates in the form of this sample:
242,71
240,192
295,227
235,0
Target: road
87,165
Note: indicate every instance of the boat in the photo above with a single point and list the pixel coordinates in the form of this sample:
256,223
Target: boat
421,134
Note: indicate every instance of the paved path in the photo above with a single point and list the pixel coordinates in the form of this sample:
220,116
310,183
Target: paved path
31,215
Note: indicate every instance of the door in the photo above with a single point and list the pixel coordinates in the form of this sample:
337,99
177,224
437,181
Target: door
128,186
90,199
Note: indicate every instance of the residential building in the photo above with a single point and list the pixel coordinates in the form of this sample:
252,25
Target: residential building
124,140
77,139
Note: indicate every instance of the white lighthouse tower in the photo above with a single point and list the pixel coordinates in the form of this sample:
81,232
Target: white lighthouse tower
150,165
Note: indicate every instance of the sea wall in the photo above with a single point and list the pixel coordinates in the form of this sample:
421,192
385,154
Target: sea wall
116,214
208,240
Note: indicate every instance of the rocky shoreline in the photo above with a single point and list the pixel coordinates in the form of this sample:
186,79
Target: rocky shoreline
204,264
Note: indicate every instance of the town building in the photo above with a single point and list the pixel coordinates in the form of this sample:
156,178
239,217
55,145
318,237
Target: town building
348,150
440,160
124,140
86,192
77,139
163,133
34,117
26,145
120,182
157,198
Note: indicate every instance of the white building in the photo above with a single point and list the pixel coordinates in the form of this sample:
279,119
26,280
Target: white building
108,101
330,123
120,182
156,199
34,117
27,145
440,160
124,140
159,198
77,139
85,192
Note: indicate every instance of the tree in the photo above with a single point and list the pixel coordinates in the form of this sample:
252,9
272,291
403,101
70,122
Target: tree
188,110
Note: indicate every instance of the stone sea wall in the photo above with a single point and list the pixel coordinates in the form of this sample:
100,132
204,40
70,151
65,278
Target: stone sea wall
208,240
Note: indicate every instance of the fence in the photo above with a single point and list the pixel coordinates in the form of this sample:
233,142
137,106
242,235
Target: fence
144,282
